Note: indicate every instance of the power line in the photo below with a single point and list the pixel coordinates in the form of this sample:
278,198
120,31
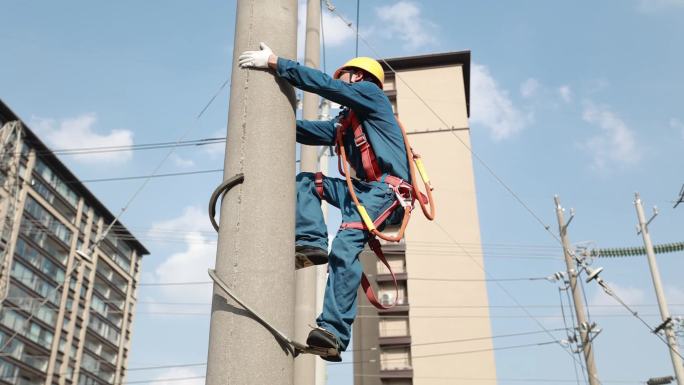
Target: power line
537,344
146,177
131,147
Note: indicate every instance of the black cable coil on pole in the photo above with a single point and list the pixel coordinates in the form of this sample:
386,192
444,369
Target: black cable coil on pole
220,191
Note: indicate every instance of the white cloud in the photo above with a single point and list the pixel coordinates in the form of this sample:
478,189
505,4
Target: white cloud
630,295
492,107
529,87
171,376
403,21
597,85
182,162
565,93
189,264
674,294
677,125
659,5
79,132
336,33
616,144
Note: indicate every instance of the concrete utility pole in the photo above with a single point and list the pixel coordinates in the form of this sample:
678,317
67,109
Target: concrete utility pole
256,238
666,326
305,288
584,327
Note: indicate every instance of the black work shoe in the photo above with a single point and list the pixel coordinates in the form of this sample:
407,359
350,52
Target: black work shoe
306,256
326,343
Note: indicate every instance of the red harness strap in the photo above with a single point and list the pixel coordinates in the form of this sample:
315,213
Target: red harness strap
365,284
318,181
368,160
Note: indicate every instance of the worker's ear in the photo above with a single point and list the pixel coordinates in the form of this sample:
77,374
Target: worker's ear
358,76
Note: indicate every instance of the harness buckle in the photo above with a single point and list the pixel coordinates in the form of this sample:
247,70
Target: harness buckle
360,140
404,197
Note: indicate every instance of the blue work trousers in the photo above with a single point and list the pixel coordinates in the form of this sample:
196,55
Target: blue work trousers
344,267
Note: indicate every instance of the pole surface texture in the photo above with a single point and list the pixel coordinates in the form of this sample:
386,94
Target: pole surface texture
256,238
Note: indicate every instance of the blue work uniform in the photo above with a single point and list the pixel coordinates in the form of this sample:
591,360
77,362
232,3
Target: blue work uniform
374,112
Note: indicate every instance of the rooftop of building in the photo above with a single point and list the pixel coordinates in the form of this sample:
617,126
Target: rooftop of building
434,60
7,115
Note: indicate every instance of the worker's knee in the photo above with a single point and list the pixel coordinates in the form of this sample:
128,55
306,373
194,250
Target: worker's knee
305,177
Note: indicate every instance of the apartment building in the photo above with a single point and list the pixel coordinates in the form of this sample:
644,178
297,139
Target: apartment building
442,297
65,317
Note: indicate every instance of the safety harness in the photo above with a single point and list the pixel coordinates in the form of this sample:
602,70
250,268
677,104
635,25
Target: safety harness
405,192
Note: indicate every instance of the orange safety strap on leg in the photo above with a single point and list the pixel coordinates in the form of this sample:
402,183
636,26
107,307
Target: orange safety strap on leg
318,181
365,283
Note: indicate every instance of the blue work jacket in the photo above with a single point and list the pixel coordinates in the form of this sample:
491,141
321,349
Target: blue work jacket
372,108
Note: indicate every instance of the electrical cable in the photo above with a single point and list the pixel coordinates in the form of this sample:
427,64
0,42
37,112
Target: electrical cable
455,353
565,323
575,326
131,147
147,177
635,314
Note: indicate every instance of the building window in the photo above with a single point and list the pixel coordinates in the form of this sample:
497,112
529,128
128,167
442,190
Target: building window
56,183
42,216
386,293
39,261
393,327
32,331
105,330
395,359
31,280
68,211
32,305
8,372
396,261
39,236
114,278
396,381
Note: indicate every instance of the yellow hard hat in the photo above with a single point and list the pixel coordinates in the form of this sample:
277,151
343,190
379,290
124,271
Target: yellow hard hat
367,64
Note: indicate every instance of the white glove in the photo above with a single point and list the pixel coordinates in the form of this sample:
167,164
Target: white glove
256,59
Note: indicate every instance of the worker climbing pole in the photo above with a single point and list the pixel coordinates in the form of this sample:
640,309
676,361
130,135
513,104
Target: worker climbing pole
382,190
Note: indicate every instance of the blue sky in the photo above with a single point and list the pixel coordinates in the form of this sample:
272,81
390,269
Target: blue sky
581,99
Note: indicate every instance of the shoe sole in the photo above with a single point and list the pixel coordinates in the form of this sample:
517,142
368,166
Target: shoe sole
328,351
303,260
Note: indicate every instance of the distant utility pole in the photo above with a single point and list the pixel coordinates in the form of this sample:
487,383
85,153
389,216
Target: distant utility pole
584,327
256,231
11,137
305,287
667,325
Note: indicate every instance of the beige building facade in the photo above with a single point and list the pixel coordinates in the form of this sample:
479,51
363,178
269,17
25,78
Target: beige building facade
442,298
65,317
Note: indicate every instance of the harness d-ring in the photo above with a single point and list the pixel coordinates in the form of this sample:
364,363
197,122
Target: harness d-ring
221,190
